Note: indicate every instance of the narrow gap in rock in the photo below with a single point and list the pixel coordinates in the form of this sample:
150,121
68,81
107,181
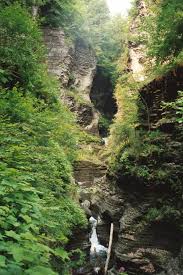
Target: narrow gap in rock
103,100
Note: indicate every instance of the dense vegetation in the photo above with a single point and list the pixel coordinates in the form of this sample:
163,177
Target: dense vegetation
148,154
38,140
166,38
38,135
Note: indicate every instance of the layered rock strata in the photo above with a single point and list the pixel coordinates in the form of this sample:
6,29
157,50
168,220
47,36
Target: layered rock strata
74,64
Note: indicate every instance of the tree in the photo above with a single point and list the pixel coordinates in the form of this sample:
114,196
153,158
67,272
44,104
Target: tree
165,30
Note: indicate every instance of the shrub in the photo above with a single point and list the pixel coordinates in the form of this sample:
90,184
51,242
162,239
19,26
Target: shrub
38,140
165,36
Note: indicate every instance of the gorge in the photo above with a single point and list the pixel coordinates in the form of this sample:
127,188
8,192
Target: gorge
91,113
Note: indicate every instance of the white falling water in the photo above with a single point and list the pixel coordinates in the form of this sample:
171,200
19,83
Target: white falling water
97,250
106,141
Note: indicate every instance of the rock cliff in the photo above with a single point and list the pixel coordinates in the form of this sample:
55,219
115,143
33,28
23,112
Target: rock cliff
145,200
136,49
143,244
74,64
147,244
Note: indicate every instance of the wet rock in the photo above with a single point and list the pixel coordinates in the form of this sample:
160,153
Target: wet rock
141,247
86,206
86,173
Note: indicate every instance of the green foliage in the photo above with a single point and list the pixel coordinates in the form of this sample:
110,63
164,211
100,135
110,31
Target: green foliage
163,212
78,258
97,18
106,35
146,158
123,129
26,3
153,214
38,141
113,45
90,21
78,98
70,15
133,12
148,162
36,152
20,49
20,222
177,106
164,36
22,54
59,13
104,124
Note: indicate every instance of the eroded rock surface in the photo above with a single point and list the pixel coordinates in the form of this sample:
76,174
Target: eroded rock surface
174,266
151,246
59,54
74,64
146,245
87,173
84,68
163,89
136,49
140,247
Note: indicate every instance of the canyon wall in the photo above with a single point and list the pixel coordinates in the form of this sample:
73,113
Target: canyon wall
143,198
74,64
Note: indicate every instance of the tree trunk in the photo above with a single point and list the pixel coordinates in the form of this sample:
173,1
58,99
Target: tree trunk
109,248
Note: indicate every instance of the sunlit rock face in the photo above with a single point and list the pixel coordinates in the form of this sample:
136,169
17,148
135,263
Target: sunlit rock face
84,68
136,64
59,54
74,64
136,49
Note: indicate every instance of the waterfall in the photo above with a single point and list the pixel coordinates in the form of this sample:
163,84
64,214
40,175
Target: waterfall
98,252
105,141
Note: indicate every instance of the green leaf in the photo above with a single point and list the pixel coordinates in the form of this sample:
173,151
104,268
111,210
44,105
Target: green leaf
12,269
26,218
28,236
12,234
2,261
40,270
18,253
12,220
3,79
60,252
